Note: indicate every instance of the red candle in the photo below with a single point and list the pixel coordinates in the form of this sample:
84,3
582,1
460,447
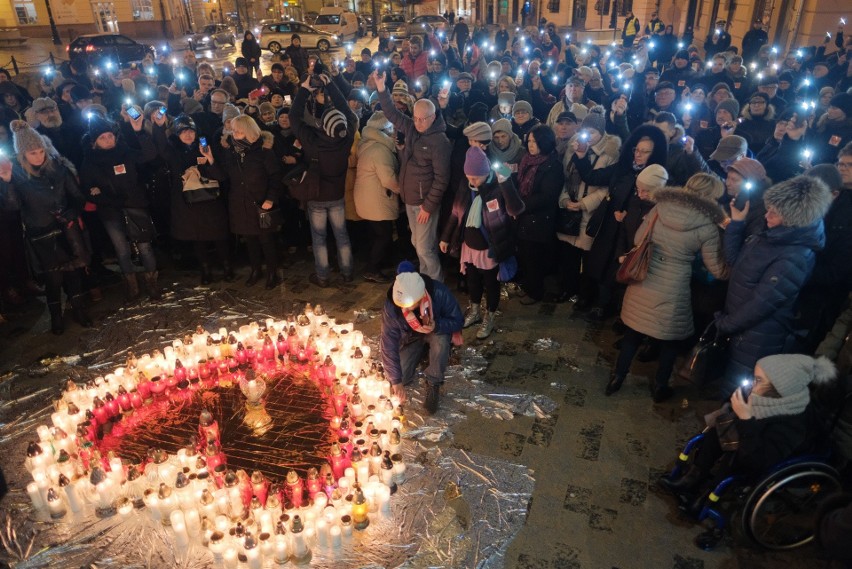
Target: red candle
295,489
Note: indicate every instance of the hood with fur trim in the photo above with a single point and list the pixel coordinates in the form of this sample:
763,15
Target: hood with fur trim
801,201
684,210
768,116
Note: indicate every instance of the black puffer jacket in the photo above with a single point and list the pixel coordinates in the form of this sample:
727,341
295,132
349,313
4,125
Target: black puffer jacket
682,166
255,176
115,173
202,221
537,223
759,129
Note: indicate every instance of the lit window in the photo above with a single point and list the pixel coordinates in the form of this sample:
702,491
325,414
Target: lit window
25,12
142,9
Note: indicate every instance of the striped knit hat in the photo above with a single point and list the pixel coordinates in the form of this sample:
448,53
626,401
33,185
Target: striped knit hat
334,123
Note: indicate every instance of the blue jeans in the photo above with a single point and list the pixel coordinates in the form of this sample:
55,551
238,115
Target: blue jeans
439,357
424,237
117,232
319,214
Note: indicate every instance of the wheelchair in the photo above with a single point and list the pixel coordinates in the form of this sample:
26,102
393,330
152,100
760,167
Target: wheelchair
777,512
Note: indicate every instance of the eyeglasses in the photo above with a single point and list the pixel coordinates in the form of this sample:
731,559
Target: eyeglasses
423,119
841,164
642,152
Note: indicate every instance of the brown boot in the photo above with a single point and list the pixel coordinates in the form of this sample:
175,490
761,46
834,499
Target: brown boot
152,286
131,285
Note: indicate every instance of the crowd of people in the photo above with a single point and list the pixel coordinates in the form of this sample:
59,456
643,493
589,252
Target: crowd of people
499,158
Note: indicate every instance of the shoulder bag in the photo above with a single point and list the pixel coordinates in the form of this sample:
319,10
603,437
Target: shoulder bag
634,268
707,359
197,188
270,218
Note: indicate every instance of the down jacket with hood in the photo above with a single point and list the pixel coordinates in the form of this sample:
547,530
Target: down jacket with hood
767,272
660,306
376,183
424,161
397,333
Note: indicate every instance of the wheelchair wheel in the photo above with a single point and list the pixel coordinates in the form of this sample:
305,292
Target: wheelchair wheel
779,511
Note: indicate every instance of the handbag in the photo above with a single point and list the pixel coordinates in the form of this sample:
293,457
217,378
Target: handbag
634,268
507,269
270,218
138,225
568,221
197,188
706,362
50,249
596,220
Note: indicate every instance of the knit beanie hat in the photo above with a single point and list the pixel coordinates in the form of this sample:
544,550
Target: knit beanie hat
266,107
43,103
241,62
379,121
99,126
80,93
229,86
191,106
501,125
749,169
182,123
654,176
334,123
400,88
826,90
479,131
730,105
25,138
521,106
791,373
408,289
128,86
596,119
506,98
801,201
476,162
682,54
277,66
230,112
828,173
843,101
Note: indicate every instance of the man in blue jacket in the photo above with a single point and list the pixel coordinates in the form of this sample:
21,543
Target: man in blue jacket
419,312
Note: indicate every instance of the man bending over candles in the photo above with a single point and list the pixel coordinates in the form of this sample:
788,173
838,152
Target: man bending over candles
419,312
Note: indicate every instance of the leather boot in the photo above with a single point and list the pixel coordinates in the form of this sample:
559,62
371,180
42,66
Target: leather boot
229,275
272,279
206,275
614,384
78,306
152,286
253,277
57,325
131,285
686,484
487,326
473,316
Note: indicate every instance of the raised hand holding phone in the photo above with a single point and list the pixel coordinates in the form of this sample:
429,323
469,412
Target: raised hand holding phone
5,168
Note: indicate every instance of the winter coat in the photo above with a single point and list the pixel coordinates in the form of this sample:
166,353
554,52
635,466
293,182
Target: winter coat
351,172
707,140
397,333
680,78
538,221
604,153
66,142
201,221
500,203
328,158
376,182
682,166
254,176
245,84
298,58
115,173
424,161
828,138
660,306
250,49
764,443
767,272
759,129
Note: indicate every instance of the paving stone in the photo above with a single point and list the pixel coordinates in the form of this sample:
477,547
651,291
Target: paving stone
577,499
601,518
590,440
633,492
512,443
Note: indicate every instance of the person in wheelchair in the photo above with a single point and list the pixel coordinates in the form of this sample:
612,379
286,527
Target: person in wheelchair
755,431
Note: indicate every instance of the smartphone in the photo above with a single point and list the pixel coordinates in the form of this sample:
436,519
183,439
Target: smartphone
495,166
742,198
288,100
746,386
161,112
683,140
584,136
133,113
203,142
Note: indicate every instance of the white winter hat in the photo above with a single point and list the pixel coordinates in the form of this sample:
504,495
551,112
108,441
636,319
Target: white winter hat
408,289
654,176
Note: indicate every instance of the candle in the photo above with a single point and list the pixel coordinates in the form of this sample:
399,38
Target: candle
382,496
359,509
71,495
300,551
54,504
230,558
282,555
334,536
124,506
193,522
217,546
35,496
321,527
179,527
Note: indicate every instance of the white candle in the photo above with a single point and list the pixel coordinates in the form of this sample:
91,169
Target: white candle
266,522
74,502
282,555
334,536
253,558
322,532
54,504
193,522
179,527
35,496
383,494
230,558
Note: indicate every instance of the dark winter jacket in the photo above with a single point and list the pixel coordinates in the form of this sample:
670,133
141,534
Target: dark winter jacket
768,271
115,173
298,59
500,203
538,221
254,176
680,78
201,221
245,84
66,141
753,40
327,157
397,333
682,166
424,162
828,138
758,129
781,158
764,443
833,527
251,50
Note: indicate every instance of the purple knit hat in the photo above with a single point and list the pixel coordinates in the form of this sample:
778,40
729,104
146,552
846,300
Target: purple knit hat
476,162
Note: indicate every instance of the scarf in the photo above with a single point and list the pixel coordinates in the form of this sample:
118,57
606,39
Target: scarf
241,146
474,214
425,323
508,156
527,171
765,407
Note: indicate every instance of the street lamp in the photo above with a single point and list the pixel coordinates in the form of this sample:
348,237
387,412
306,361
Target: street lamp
53,31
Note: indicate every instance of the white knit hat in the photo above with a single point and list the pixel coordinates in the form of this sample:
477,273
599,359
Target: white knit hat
408,289
654,176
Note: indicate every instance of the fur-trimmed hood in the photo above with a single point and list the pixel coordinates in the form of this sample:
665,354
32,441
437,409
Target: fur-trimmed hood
684,210
801,201
823,123
768,116
609,145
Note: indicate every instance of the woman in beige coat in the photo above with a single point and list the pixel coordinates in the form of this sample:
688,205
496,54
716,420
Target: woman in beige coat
659,307
377,190
579,196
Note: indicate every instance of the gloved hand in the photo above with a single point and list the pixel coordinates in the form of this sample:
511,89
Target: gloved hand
502,170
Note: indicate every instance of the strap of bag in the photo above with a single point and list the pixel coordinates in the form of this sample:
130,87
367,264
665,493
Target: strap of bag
649,231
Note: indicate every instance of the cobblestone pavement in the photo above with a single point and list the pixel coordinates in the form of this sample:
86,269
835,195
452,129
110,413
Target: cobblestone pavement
594,459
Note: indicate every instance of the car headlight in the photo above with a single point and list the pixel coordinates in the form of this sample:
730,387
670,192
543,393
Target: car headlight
335,37
205,38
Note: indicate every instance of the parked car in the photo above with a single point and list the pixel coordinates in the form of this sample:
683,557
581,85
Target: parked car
365,24
276,37
115,47
393,24
338,21
311,17
213,36
417,23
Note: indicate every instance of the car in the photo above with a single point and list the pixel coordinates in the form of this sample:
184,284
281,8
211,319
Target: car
212,36
394,24
338,21
416,24
276,37
114,47
310,18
